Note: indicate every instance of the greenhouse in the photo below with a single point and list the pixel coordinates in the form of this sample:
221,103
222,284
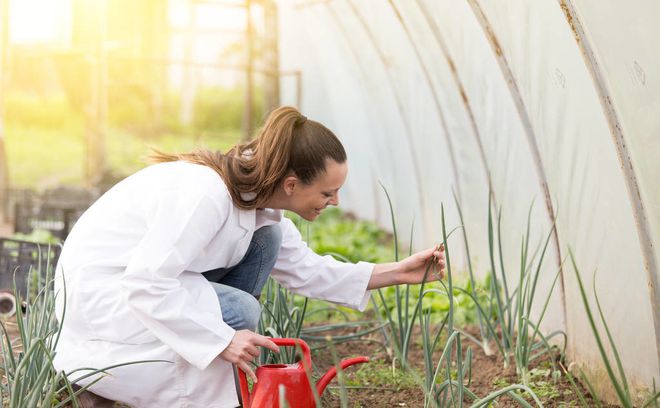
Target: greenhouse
501,152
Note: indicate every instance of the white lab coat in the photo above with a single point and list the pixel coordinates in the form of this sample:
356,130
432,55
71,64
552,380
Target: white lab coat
134,289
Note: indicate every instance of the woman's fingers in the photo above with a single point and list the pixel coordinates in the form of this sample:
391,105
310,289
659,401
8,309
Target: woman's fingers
245,367
439,258
244,346
265,342
252,350
439,255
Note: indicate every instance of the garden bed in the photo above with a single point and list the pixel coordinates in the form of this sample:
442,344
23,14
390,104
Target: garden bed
382,384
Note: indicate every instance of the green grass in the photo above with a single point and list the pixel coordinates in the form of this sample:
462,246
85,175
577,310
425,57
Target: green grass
42,157
127,153
540,381
379,373
45,136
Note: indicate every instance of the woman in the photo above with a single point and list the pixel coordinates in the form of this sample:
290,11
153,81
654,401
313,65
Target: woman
169,263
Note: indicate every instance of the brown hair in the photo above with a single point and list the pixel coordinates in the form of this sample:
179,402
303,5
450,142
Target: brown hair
288,142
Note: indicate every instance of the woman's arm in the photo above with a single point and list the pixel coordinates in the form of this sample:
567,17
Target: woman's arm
410,270
302,271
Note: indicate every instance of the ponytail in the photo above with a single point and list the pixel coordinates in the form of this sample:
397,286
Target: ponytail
287,143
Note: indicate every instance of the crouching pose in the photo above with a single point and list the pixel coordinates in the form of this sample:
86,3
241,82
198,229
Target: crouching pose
169,264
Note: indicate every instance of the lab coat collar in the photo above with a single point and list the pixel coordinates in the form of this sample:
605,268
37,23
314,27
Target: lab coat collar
267,216
246,219
251,220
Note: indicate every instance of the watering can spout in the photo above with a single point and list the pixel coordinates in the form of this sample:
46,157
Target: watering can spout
332,372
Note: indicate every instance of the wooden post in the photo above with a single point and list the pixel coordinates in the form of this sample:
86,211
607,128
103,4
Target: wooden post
4,57
188,82
271,57
248,120
156,46
96,160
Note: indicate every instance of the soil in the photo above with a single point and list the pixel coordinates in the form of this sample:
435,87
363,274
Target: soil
488,375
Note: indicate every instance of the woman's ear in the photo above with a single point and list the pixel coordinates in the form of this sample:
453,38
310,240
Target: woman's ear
290,183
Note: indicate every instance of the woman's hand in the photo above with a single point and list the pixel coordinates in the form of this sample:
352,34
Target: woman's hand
243,349
415,266
410,270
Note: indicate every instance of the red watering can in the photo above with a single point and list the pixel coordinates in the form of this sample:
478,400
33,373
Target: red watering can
294,377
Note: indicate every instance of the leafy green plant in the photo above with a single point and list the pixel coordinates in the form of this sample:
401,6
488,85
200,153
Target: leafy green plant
346,238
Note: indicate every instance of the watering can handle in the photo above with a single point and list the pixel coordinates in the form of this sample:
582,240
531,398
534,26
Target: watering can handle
307,355
307,365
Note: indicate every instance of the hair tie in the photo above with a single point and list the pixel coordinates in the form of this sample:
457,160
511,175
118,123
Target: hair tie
299,121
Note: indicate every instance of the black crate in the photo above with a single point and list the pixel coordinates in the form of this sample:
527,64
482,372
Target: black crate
18,197
55,210
18,257
58,220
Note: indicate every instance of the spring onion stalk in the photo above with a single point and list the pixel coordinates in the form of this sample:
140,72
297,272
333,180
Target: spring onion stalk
280,317
485,333
620,383
31,377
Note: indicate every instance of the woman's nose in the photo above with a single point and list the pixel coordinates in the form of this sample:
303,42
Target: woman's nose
334,200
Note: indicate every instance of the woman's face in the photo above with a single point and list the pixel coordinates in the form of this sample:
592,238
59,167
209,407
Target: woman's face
308,200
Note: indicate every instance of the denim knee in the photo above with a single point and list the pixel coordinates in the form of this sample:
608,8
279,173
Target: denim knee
249,310
269,239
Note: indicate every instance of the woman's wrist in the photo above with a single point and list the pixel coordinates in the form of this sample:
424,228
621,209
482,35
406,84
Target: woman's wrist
385,274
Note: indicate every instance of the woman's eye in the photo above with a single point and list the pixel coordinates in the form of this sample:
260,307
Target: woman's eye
327,195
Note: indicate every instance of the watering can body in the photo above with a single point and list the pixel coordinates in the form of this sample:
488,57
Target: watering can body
293,379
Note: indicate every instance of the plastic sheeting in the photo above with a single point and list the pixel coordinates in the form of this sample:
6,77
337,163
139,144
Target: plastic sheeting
553,104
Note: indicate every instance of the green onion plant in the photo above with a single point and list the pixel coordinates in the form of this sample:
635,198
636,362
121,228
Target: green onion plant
486,334
452,389
618,379
519,335
407,306
280,317
30,378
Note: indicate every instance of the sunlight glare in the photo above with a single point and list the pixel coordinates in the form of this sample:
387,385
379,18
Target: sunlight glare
39,20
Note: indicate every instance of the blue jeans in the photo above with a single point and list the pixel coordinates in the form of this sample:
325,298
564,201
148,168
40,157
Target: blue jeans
238,287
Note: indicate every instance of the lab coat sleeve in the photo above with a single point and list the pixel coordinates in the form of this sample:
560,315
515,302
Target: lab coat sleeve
180,225
304,272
